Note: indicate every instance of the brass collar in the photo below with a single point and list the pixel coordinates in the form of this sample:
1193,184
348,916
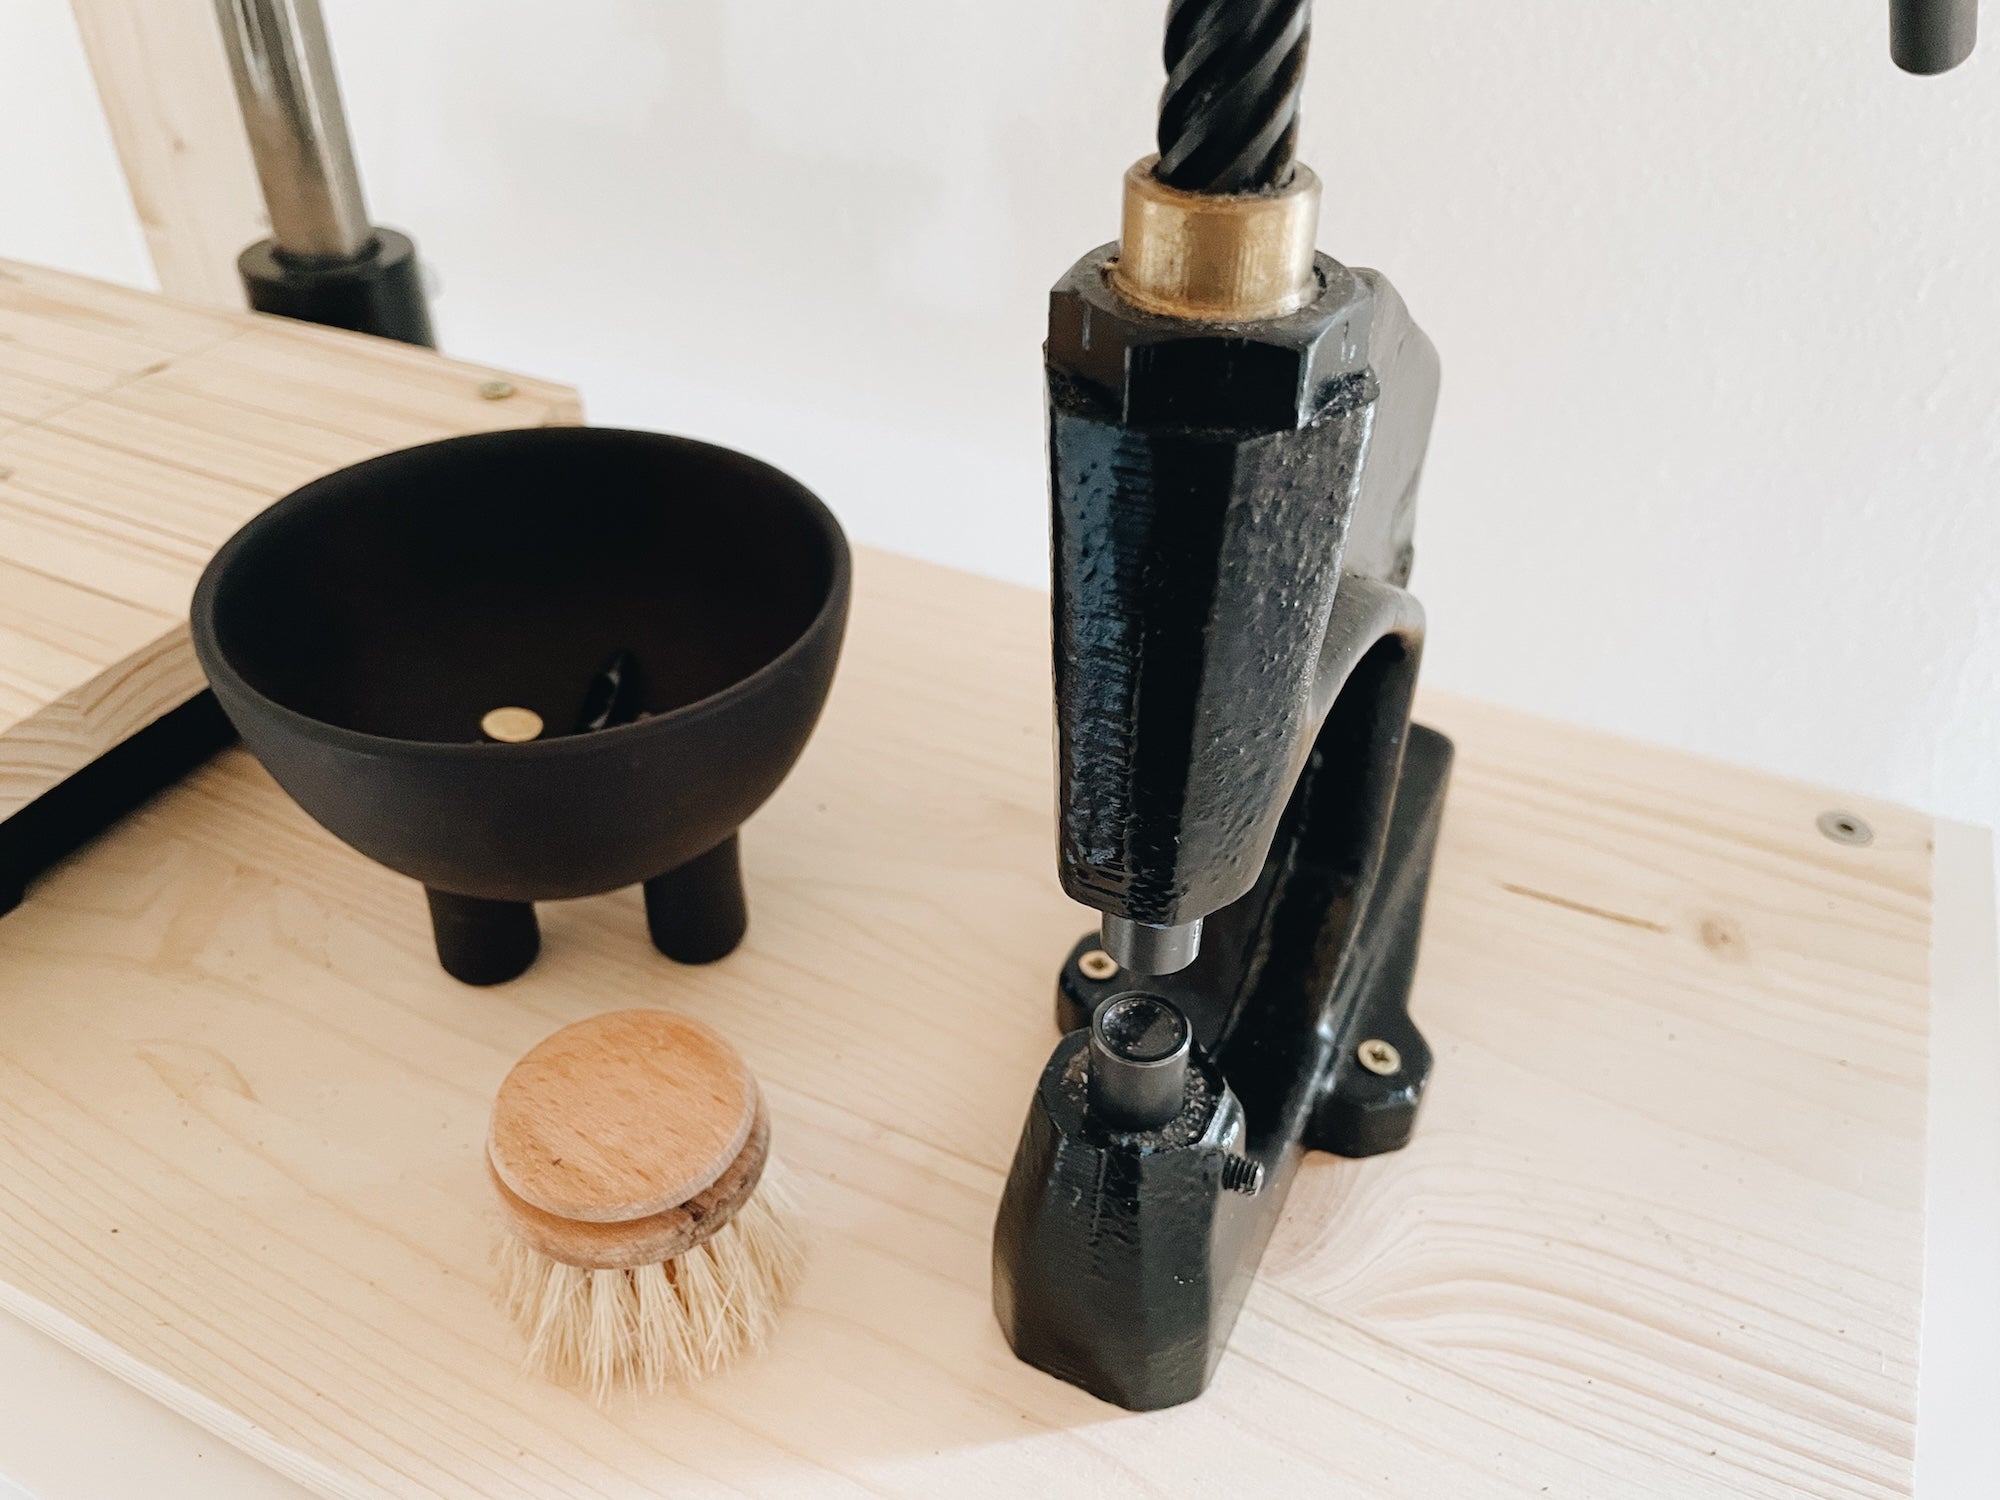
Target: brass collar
1217,258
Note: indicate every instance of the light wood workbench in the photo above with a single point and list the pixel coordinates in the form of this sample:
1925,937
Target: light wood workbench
1660,1233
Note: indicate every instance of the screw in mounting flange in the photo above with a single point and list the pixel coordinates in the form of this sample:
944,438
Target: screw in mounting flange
1379,1057
496,390
1097,966
1846,828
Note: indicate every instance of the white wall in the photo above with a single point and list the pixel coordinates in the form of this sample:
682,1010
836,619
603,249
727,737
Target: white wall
62,199
1714,285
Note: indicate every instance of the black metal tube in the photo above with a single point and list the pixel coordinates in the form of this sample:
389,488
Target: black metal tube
1932,36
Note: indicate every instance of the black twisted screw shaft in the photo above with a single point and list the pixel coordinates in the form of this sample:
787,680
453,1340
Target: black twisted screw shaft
1229,118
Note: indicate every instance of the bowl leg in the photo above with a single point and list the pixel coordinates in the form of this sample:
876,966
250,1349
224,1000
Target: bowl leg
696,912
480,941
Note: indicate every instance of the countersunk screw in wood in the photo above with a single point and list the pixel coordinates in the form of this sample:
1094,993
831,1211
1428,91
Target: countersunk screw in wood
1846,828
497,390
1379,1057
1097,965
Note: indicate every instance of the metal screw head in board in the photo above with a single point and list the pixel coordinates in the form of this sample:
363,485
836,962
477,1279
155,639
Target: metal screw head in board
1379,1057
496,390
1846,828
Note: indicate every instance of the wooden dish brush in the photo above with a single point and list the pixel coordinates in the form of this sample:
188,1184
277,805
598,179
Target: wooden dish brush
647,1241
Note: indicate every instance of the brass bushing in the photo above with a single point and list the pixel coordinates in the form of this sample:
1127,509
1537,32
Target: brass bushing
1217,257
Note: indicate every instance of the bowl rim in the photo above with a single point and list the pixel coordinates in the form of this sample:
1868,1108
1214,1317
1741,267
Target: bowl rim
215,662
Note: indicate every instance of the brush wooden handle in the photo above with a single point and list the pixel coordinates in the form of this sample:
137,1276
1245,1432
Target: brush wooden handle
640,1242
621,1117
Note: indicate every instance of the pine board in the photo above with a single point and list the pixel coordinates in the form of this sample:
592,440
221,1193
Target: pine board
136,434
1660,1232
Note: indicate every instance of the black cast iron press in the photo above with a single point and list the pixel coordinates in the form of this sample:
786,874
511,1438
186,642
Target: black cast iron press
1236,429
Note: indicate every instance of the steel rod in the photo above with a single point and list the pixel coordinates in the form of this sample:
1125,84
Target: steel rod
298,134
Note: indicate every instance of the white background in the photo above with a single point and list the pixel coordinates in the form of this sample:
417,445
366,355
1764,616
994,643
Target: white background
1714,285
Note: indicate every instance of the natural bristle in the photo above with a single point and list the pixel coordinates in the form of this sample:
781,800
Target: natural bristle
659,1324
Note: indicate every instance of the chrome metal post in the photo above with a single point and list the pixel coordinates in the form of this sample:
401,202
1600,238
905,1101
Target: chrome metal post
298,134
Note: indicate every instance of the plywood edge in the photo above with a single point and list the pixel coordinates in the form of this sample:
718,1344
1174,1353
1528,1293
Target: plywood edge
45,748
205,1412
1959,1365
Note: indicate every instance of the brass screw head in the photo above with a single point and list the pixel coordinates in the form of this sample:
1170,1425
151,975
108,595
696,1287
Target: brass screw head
1097,965
1380,1057
496,390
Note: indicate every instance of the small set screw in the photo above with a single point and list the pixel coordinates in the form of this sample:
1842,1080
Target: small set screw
1379,1057
496,390
1846,828
1242,1174
1097,966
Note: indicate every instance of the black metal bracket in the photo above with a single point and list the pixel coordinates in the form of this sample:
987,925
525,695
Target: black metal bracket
74,811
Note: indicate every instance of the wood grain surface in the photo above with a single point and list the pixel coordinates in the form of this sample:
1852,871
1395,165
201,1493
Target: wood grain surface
135,435
1659,1233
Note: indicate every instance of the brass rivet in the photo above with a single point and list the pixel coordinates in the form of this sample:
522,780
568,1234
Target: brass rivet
497,390
1379,1057
1846,828
511,726
1097,965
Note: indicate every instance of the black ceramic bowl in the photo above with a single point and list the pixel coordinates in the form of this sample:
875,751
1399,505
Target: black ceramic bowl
357,632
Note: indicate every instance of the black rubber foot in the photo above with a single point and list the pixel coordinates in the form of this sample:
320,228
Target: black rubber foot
480,941
696,913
